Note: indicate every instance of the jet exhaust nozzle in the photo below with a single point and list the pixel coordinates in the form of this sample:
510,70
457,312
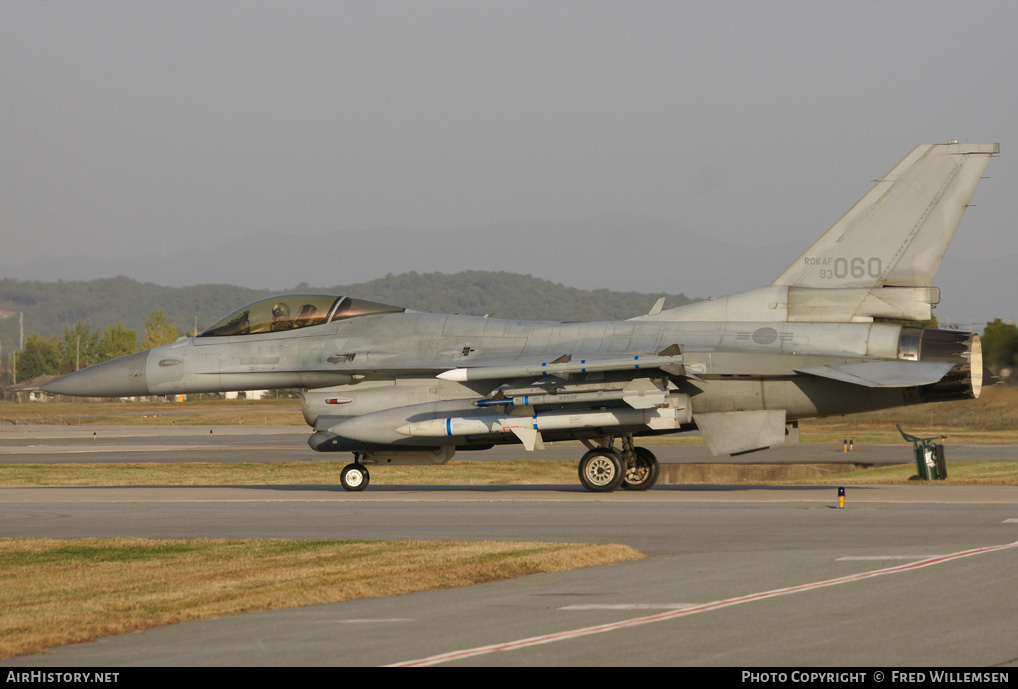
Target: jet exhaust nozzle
963,349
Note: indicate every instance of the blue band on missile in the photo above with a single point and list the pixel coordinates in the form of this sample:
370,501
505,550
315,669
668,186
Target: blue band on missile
535,422
495,403
448,426
526,400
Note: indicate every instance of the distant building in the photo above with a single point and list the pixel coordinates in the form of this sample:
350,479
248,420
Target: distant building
28,390
246,395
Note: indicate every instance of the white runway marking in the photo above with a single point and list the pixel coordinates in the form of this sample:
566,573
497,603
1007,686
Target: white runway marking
706,607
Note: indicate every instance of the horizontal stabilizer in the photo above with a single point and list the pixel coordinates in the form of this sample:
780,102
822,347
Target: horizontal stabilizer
884,374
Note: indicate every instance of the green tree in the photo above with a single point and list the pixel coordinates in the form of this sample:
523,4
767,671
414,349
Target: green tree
41,356
159,330
80,346
117,341
1000,345
932,323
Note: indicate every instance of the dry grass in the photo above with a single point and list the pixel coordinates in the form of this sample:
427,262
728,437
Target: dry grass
282,412
60,592
455,472
459,473
958,473
991,418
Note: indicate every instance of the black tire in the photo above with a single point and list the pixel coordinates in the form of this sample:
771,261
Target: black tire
644,472
601,471
354,477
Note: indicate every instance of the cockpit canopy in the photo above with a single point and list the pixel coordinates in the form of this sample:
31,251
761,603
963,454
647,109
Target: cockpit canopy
291,311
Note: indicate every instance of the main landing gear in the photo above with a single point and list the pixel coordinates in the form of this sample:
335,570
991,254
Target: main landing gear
603,469
355,476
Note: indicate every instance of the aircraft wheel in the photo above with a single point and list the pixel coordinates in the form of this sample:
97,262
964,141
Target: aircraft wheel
644,472
601,471
354,477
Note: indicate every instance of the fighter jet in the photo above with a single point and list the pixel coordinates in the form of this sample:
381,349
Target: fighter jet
397,386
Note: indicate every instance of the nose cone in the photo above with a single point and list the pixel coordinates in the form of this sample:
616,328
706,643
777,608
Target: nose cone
123,377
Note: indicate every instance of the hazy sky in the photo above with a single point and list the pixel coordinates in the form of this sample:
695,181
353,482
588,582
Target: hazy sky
141,127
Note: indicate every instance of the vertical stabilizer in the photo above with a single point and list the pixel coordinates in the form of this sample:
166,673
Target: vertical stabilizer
897,234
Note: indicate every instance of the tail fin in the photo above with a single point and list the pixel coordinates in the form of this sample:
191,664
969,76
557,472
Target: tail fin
897,234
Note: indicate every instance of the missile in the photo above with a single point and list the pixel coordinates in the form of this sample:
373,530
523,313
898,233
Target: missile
642,393
547,368
641,399
666,418
553,398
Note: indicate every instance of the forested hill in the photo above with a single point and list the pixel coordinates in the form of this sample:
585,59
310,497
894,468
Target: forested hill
49,307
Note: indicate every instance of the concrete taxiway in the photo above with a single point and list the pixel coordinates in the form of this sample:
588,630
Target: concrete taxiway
734,575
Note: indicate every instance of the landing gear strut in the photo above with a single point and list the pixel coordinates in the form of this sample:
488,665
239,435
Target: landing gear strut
603,469
643,472
355,476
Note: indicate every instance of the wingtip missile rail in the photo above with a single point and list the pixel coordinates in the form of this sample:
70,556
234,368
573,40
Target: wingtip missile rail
550,368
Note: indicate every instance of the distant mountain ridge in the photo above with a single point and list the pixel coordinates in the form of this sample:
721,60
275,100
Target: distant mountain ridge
619,252
48,307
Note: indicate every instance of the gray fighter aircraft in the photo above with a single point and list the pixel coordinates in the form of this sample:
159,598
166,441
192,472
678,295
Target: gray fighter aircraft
395,386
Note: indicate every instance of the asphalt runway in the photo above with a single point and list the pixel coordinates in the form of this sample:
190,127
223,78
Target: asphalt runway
734,575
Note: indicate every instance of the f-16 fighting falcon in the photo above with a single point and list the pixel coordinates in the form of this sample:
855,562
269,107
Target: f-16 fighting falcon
396,386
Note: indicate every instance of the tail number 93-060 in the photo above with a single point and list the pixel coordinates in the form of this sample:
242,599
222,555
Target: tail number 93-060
856,267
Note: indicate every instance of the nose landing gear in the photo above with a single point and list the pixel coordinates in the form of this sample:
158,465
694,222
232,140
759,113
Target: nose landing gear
355,477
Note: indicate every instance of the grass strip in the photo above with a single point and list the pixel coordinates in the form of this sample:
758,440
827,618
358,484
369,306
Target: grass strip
959,473
61,592
454,473
95,412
